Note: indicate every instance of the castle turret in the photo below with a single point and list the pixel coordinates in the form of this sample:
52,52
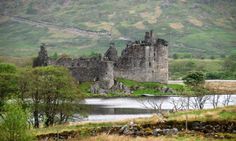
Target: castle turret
111,54
106,76
42,59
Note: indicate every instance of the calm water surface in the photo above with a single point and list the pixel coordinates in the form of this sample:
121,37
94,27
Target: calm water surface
109,109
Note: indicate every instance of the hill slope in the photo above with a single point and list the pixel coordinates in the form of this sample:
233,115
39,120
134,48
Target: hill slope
200,27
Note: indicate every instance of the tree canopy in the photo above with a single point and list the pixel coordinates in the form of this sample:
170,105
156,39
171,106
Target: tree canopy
52,90
8,81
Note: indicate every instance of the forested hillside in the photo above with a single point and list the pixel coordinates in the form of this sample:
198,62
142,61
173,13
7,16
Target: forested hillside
79,27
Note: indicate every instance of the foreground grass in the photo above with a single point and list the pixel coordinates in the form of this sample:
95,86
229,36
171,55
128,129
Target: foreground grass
86,126
218,114
179,137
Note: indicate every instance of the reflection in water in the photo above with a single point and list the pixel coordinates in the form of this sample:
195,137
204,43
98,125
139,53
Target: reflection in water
106,109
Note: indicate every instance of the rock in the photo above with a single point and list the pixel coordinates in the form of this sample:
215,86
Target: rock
95,88
102,91
123,129
131,129
119,86
126,90
166,90
196,126
157,132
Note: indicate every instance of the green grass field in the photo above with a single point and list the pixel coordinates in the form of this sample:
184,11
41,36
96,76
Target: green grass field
180,67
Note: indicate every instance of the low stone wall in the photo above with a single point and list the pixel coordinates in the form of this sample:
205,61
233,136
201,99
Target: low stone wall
160,128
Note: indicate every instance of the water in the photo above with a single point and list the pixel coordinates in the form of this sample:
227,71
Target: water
109,109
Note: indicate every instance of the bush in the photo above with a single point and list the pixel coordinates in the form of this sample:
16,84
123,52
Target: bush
230,64
196,78
7,68
13,123
175,56
8,81
215,75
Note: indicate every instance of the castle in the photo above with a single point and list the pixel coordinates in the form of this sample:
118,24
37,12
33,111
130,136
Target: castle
144,61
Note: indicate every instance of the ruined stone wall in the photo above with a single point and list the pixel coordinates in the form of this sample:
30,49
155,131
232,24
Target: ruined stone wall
144,61
89,69
85,69
161,74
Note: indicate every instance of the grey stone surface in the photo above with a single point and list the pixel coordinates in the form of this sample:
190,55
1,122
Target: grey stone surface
111,54
158,131
144,61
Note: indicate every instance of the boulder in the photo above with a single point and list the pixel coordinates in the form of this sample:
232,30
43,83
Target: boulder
158,132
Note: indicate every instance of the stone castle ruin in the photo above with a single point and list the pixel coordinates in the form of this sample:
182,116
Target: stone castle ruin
144,61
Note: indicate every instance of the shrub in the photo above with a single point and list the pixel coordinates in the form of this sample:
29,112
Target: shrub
13,123
194,78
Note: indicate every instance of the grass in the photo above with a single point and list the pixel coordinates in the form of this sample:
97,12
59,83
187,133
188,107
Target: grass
179,137
85,87
218,114
90,125
140,88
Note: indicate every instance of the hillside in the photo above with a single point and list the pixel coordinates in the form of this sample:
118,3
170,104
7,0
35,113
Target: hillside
79,27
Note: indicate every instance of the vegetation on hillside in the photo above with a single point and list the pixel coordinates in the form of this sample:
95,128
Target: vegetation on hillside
213,68
198,27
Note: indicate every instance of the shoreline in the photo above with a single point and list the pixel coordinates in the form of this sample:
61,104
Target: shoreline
219,87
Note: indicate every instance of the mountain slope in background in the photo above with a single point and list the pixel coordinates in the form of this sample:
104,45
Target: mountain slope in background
78,27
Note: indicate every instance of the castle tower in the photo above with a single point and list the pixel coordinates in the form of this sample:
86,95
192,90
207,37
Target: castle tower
145,62
106,75
111,54
42,59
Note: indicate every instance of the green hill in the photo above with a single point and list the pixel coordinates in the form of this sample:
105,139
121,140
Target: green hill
74,27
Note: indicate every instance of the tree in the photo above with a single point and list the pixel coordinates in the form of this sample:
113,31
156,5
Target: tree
212,57
194,79
13,123
52,90
215,100
230,63
55,56
175,56
8,81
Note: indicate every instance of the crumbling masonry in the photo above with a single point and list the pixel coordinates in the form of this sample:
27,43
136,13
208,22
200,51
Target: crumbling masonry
144,61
